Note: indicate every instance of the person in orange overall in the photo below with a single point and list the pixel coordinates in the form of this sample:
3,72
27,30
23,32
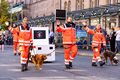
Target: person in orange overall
98,41
15,40
25,38
69,41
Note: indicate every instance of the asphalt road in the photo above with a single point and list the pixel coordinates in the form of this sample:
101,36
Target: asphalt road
82,69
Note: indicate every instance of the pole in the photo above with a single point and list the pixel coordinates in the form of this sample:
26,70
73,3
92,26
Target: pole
60,4
105,22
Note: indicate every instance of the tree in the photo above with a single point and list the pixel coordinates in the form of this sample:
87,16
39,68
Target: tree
4,13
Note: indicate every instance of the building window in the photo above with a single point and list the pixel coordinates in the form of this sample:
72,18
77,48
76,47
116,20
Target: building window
118,1
91,4
65,5
69,5
115,1
96,3
31,1
77,4
108,1
82,4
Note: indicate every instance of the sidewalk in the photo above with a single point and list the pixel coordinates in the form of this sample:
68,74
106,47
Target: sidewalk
80,52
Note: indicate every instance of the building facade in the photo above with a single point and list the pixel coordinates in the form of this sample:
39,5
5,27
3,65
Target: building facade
90,9
42,12
42,8
39,8
84,4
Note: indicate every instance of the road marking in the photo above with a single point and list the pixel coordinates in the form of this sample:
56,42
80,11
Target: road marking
6,78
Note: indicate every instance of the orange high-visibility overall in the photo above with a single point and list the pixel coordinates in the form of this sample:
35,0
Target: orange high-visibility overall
97,40
15,41
25,36
69,42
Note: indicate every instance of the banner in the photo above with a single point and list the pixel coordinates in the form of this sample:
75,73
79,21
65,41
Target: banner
16,9
81,33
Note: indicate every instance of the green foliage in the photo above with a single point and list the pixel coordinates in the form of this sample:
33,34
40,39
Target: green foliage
4,13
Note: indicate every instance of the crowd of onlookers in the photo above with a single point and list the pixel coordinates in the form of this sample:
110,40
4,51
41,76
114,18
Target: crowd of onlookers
5,39
113,40
110,39
8,39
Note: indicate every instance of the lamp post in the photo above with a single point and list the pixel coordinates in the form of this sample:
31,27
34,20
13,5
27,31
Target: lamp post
60,4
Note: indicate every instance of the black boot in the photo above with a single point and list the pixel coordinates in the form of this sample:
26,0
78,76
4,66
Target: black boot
67,66
101,63
15,54
94,64
70,64
19,53
24,67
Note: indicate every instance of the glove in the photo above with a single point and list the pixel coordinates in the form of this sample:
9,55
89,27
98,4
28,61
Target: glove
14,25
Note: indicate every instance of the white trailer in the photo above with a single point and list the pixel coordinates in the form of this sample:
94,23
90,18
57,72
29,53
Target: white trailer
40,37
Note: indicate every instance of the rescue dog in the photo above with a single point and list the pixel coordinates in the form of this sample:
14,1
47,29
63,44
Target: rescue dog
38,60
112,57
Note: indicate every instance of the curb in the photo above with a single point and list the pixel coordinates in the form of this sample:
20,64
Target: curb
79,53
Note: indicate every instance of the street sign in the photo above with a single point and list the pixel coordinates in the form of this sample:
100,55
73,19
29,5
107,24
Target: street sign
60,14
81,33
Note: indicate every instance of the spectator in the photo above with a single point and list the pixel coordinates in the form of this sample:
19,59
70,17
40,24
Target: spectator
118,40
1,41
51,37
107,40
112,40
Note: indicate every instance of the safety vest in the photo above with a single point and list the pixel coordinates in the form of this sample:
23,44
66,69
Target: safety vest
98,38
68,33
25,36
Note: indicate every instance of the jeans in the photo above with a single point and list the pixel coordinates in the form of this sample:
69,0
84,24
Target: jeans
118,45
